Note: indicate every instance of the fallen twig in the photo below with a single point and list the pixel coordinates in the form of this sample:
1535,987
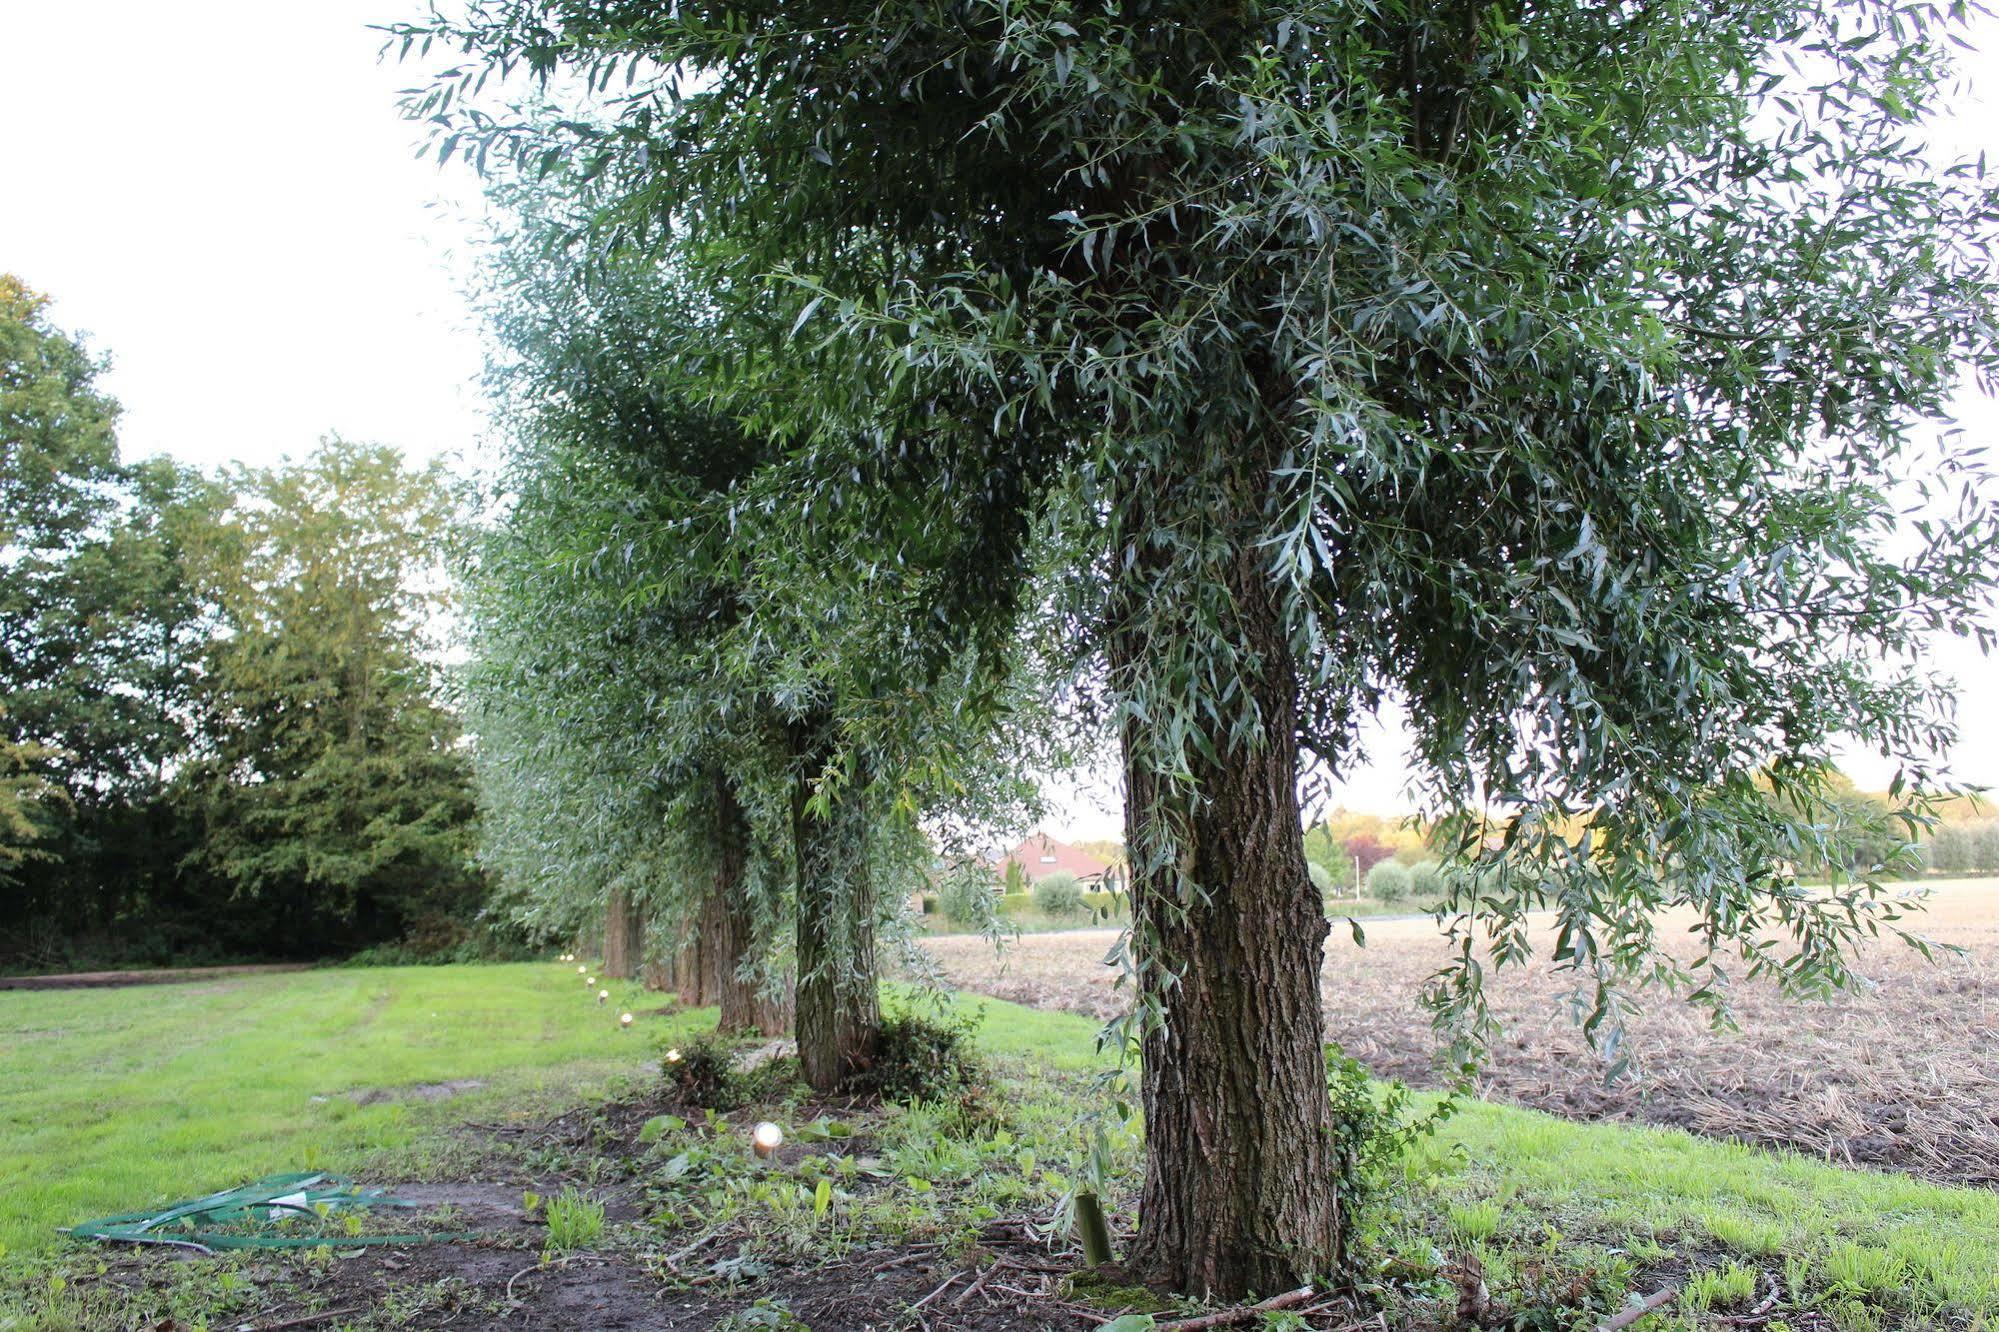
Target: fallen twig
672,1260
1242,1313
949,1281
1649,1305
1762,1313
551,1264
958,1300
1008,1260
309,1319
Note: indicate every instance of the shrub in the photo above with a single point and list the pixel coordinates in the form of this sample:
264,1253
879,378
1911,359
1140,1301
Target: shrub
966,896
1322,878
1426,881
705,1074
708,1075
1059,894
1985,855
925,1058
1388,881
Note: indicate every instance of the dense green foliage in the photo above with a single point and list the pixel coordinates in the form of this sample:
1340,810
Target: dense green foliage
1389,881
682,695
969,896
1059,894
1964,848
1559,374
223,724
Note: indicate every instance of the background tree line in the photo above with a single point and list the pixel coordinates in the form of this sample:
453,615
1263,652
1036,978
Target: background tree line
222,721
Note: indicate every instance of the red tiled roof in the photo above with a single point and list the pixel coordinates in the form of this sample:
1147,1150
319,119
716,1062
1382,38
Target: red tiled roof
1041,855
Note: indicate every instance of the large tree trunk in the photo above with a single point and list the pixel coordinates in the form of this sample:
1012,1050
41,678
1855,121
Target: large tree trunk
1239,1188
724,936
660,971
838,1019
624,935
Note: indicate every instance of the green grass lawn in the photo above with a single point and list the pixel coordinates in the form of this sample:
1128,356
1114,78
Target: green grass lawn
116,1099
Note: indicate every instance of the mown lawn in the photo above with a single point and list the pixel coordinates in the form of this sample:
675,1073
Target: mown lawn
116,1099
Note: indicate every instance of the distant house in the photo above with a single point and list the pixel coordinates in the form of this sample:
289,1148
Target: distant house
1041,855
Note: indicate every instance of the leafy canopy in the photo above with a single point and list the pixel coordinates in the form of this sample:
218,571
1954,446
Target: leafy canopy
1571,366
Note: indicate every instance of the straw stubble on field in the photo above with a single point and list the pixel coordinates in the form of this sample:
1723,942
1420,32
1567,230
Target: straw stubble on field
1903,1074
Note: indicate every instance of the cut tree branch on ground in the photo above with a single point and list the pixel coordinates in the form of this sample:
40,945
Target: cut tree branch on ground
310,1319
1242,1313
1649,1305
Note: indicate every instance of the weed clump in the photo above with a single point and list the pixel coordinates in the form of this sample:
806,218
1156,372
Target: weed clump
704,1074
929,1059
707,1073
1371,1133
574,1221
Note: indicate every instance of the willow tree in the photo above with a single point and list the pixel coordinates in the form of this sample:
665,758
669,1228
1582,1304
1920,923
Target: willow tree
615,743
658,622
1553,370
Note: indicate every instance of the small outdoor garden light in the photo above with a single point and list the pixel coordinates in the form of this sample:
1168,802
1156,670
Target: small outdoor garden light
580,968
589,980
673,1056
766,1138
603,996
624,1019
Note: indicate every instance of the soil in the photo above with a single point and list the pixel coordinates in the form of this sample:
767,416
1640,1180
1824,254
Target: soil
1007,1280
86,980
422,1091
1901,1075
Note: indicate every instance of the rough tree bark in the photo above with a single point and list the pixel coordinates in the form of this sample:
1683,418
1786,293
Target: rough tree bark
624,935
724,933
661,973
838,1019
1239,1188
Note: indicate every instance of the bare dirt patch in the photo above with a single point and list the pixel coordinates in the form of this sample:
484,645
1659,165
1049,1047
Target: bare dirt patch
1902,1075
422,1091
93,980
1008,1277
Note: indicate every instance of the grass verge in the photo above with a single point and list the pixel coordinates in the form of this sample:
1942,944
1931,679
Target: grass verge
116,1099
1549,1224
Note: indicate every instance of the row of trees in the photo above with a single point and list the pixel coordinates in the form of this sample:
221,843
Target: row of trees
1206,374
1963,848
221,727
698,718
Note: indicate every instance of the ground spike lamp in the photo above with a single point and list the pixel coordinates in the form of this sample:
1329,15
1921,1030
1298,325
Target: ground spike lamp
765,1139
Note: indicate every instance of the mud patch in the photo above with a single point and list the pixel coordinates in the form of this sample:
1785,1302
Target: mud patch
422,1091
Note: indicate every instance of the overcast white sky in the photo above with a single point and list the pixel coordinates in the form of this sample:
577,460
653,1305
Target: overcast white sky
222,195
